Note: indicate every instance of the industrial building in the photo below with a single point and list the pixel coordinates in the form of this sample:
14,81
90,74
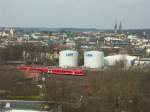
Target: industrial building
94,59
142,61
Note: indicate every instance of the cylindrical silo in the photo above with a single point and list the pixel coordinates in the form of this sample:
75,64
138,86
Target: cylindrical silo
68,58
94,59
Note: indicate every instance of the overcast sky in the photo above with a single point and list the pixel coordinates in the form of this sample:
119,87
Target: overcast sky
75,13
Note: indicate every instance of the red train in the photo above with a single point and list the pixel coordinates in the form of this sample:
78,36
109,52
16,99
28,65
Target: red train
56,71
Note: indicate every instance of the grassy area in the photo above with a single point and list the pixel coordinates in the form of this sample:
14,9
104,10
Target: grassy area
112,90
12,83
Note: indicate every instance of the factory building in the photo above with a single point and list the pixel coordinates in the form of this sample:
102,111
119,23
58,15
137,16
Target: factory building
96,59
142,61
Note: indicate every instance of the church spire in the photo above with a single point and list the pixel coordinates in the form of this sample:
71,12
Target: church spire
115,27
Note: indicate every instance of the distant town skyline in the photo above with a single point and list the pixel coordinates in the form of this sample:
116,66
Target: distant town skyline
100,14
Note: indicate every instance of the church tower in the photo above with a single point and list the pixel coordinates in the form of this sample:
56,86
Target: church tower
115,28
120,27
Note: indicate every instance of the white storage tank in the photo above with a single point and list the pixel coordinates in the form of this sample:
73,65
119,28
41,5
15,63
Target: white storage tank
112,60
68,58
93,59
148,51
